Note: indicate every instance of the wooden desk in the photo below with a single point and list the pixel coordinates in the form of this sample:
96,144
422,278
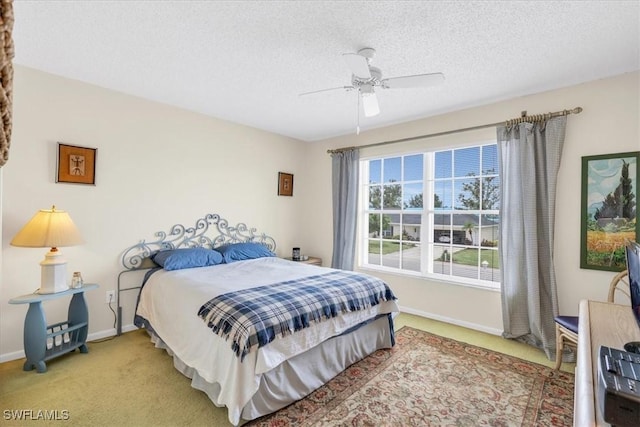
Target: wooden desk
601,323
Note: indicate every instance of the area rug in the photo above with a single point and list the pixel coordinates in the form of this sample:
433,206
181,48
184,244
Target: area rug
428,380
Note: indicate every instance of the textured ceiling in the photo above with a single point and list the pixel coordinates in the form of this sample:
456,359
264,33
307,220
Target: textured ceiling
247,61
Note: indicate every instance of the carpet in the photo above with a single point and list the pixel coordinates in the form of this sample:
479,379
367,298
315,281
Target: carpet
428,380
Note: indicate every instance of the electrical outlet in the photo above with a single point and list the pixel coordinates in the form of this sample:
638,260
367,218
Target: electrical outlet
111,297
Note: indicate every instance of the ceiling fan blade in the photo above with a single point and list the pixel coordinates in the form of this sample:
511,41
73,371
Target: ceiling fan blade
419,80
358,65
326,90
370,104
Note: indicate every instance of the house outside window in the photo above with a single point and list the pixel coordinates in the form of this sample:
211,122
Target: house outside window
452,233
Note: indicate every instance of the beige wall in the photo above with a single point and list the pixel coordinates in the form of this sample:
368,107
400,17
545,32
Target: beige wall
608,124
159,165
156,166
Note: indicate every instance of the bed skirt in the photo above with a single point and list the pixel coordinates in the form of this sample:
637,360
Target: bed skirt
297,377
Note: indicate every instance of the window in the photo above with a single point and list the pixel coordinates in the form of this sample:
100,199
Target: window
450,234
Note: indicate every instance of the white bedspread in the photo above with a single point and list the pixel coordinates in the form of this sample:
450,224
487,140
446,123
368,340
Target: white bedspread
170,301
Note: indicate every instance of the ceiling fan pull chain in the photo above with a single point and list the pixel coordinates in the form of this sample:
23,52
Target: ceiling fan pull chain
358,114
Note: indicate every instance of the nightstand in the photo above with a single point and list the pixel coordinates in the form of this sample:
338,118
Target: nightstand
43,342
311,260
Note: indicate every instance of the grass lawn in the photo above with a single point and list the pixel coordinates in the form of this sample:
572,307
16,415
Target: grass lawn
387,247
470,257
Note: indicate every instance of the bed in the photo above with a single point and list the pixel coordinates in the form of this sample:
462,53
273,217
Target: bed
253,331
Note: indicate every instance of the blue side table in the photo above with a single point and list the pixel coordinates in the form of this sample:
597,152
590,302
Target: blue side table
43,342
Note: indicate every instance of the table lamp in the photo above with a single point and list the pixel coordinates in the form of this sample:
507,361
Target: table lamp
50,228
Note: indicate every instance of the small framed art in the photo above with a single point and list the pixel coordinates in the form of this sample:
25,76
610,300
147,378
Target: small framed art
76,165
285,184
610,215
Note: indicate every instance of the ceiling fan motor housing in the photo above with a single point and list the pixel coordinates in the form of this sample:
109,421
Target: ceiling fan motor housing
375,80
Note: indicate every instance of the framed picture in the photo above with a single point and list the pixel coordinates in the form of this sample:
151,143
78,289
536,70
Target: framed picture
76,165
285,184
609,216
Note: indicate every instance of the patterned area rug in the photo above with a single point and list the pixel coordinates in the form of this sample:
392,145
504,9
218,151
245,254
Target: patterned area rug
428,380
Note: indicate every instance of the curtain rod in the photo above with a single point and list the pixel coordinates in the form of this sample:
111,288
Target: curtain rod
523,118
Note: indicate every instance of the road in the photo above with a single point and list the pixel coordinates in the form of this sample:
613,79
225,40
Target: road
411,261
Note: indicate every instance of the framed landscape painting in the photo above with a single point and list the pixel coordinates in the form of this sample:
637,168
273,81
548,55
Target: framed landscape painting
609,216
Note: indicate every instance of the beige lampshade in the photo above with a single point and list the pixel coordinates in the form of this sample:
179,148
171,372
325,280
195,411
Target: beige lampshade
49,228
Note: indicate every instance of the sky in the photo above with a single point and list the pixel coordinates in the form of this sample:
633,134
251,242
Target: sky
450,169
604,176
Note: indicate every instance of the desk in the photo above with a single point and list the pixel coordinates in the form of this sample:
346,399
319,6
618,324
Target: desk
601,323
43,342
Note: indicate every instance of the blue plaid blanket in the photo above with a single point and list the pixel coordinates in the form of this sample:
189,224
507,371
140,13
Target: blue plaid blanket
254,317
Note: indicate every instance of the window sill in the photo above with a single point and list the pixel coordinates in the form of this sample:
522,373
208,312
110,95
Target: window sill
438,278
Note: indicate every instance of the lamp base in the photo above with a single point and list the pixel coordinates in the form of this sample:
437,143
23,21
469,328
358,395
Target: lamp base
53,273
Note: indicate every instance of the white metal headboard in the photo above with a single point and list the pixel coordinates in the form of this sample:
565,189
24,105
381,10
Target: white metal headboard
210,231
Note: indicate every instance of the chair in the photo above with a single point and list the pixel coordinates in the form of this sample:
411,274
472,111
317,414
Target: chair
567,326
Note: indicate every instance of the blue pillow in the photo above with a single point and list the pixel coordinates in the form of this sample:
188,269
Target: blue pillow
177,259
241,251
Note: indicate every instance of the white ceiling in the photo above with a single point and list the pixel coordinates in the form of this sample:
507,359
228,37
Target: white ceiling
247,61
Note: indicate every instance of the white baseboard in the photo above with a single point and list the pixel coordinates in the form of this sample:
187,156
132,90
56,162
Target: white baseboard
101,334
469,325
91,337
11,356
129,328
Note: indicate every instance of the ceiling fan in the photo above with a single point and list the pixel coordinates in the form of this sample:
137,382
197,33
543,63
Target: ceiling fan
366,78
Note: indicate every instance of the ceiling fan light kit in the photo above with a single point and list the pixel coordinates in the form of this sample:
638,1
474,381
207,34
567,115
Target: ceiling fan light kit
369,101
365,78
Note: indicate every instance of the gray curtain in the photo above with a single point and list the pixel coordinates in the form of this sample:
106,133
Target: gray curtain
345,207
529,162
